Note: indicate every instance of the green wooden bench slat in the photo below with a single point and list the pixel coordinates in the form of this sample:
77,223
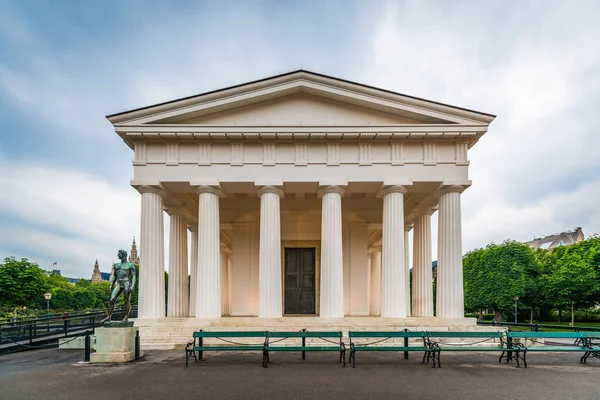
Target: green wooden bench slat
382,334
592,335
541,335
472,348
227,348
305,334
304,348
443,334
390,348
562,348
208,334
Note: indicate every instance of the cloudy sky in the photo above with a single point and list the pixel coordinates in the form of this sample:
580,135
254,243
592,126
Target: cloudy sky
65,65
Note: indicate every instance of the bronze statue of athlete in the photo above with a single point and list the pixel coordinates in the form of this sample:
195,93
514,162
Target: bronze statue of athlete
124,275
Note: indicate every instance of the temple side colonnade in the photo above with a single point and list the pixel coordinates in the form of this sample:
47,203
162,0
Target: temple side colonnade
296,195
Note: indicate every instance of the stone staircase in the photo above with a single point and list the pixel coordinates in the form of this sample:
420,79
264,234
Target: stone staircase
175,333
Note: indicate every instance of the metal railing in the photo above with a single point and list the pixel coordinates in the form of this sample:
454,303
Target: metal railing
541,327
26,334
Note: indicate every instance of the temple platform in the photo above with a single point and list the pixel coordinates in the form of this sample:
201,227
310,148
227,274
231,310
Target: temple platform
174,333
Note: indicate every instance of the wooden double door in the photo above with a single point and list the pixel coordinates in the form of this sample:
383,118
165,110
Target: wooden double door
300,280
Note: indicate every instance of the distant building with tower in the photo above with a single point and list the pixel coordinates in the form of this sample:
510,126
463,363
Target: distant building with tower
99,276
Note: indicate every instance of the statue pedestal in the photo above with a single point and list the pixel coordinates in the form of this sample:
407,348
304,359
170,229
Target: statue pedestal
115,343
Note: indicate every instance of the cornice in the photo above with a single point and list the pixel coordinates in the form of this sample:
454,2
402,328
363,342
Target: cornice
298,81
195,133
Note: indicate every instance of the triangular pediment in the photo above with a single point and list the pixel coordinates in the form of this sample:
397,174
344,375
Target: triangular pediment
300,98
300,109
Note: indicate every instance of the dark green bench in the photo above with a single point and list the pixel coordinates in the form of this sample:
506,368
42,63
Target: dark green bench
378,342
275,343
584,342
436,347
230,345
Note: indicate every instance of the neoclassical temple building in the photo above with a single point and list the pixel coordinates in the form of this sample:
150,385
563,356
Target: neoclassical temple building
299,192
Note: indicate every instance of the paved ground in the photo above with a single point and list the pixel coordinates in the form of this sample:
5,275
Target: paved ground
60,374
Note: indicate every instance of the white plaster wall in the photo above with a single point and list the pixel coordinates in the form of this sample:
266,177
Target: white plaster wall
358,269
301,109
346,263
244,270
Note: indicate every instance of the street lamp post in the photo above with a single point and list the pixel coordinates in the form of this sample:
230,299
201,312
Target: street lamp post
516,298
48,296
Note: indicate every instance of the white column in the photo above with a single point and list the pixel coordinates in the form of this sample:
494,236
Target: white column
407,229
332,262
269,267
422,304
151,289
193,269
393,274
375,303
208,296
177,299
450,297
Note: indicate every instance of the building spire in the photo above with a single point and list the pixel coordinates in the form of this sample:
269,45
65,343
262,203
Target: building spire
96,277
133,254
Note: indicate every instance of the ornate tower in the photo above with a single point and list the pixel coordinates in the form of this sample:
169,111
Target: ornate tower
133,255
96,277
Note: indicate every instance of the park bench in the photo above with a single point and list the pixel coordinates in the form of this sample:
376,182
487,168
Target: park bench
275,342
587,343
228,338
380,342
436,347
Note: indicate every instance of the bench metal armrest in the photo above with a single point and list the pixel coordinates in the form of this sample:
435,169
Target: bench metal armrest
190,344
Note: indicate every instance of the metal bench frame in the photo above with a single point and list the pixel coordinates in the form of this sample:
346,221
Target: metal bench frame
383,336
436,349
584,342
304,334
192,347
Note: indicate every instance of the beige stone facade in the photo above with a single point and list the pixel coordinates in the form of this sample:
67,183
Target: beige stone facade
299,192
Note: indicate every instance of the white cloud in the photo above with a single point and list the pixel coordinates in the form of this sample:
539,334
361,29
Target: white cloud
65,216
538,71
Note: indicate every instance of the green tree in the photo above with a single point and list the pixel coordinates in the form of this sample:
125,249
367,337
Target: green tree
22,283
570,282
496,275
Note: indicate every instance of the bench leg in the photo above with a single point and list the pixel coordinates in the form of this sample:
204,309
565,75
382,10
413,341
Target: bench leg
525,358
583,358
502,355
343,356
265,361
517,357
353,357
187,358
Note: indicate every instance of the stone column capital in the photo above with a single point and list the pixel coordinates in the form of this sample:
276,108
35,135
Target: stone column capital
325,189
193,228
179,210
408,227
387,189
207,187
450,189
154,188
425,210
262,189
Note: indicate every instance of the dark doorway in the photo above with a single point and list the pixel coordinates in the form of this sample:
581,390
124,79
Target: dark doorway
299,280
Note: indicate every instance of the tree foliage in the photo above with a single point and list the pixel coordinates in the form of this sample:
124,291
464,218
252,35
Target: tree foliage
566,277
498,274
22,283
